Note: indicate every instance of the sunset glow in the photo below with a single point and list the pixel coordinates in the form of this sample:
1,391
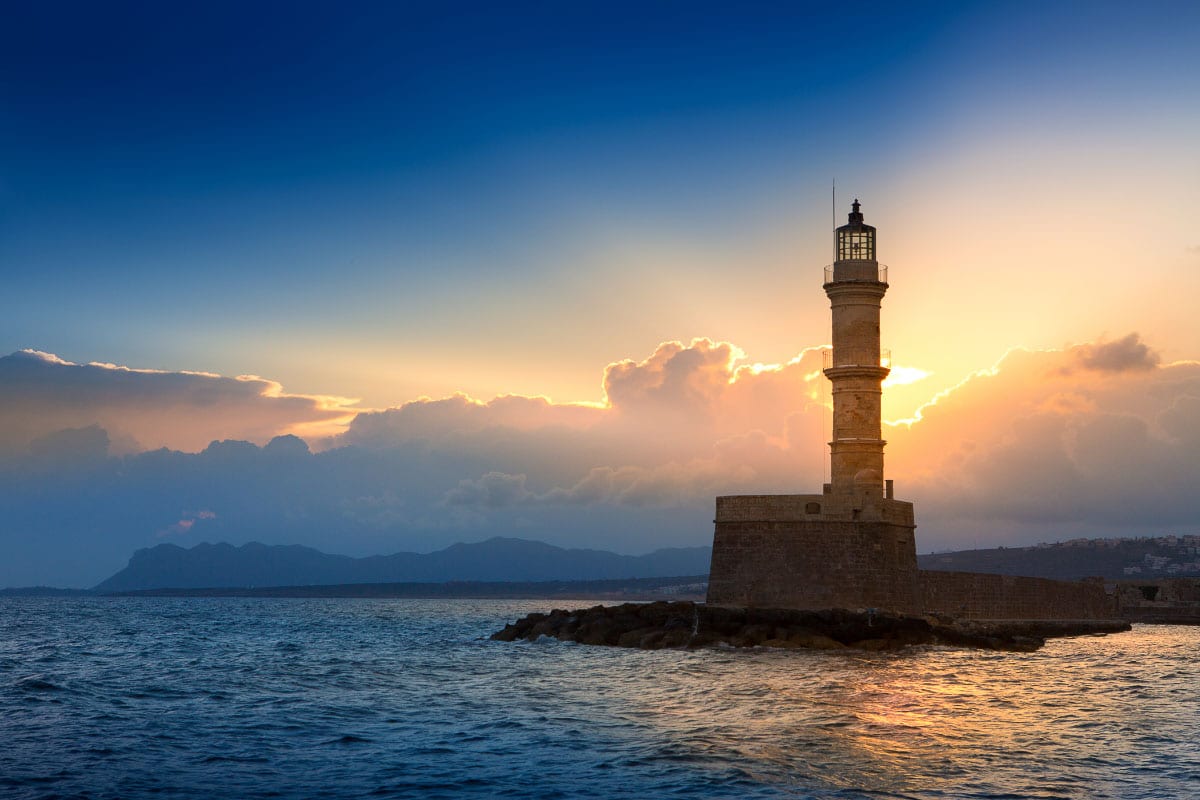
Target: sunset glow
590,279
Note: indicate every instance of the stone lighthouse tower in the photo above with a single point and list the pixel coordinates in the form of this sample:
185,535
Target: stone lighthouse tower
852,545
856,284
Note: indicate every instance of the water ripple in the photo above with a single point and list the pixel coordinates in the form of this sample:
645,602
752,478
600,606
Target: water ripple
254,698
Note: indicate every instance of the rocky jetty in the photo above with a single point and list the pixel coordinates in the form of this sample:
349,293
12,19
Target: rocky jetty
653,626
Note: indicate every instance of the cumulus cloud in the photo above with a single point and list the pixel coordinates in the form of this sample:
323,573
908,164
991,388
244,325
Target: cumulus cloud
139,409
428,420
1098,435
677,426
676,378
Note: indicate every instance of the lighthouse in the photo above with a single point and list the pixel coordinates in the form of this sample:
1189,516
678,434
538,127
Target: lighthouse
855,284
852,545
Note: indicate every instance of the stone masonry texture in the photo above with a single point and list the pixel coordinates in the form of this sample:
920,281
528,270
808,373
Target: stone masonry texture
825,552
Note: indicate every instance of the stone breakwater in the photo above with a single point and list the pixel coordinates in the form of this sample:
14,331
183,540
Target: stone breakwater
653,626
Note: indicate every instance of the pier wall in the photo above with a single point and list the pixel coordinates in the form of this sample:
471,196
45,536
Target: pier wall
978,595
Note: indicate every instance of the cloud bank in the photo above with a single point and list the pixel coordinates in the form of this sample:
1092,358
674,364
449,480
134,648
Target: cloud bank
141,409
1097,438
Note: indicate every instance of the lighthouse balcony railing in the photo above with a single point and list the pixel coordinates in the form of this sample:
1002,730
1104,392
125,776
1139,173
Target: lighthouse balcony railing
860,272
856,359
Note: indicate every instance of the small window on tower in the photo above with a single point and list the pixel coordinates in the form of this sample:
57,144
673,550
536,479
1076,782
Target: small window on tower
812,508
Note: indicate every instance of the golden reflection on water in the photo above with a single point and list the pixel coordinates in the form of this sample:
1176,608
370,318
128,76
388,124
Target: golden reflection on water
939,720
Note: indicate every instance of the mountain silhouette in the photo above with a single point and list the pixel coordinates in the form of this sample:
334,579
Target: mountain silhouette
170,566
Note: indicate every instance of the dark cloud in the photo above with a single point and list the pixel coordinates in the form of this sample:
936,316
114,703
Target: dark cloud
70,447
41,393
1127,353
671,484
1181,421
493,490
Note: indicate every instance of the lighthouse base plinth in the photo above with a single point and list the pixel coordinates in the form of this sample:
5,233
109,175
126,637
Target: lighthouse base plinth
819,551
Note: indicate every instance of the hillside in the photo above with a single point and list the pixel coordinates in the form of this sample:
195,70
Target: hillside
498,559
1114,559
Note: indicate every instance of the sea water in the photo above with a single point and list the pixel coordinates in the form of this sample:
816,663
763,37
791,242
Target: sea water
291,698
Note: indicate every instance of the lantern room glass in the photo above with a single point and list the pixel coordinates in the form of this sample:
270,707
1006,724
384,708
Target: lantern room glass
856,245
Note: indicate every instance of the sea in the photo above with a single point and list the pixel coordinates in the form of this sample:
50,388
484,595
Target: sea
364,698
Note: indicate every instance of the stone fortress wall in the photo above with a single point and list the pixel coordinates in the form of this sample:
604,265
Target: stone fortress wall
978,595
1165,600
823,551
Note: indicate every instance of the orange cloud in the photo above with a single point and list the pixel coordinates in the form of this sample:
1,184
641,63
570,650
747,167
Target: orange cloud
676,378
1097,434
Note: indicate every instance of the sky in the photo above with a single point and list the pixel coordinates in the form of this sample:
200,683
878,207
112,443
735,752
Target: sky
554,270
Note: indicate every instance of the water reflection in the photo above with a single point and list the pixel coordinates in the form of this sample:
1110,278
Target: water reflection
1070,721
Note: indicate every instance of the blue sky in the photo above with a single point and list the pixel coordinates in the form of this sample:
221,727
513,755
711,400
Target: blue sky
187,189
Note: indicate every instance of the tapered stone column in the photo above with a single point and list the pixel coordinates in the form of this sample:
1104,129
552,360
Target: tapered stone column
855,286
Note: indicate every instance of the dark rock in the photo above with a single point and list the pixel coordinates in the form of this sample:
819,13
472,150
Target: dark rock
816,641
654,641
507,635
651,626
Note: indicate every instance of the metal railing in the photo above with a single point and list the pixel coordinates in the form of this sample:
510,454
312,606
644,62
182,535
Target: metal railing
855,359
853,274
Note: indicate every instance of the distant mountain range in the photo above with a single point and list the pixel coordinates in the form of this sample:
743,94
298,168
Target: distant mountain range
1114,559
169,566
680,587
513,561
